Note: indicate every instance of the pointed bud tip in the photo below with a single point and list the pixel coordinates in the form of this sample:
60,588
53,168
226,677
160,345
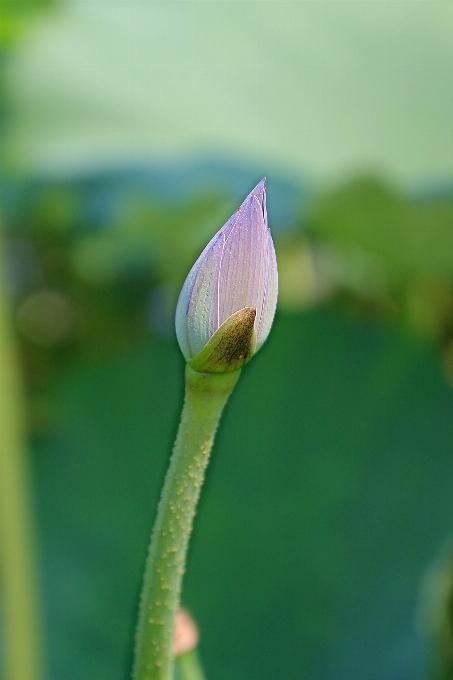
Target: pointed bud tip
258,193
260,188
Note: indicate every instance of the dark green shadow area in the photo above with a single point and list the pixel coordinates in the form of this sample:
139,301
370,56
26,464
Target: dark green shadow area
328,495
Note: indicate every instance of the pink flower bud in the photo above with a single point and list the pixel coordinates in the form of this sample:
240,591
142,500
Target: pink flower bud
236,270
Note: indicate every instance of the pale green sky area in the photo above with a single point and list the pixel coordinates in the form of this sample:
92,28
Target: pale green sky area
317,88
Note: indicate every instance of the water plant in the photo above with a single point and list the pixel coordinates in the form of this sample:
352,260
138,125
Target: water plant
224,314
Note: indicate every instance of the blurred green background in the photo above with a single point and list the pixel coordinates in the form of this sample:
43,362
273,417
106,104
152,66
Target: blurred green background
130,133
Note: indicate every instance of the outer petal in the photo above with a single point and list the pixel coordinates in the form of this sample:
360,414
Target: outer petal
197,309
265,316
243,274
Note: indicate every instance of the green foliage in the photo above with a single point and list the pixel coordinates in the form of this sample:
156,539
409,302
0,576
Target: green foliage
14,14
83,290
412,239
328,494
381,252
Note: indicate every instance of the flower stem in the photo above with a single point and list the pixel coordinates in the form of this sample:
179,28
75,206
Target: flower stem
22,655
188,667
206,395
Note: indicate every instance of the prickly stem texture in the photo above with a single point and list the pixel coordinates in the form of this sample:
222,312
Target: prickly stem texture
206,395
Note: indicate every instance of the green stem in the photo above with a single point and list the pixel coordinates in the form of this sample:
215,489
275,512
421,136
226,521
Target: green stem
206,395
188,666
22,657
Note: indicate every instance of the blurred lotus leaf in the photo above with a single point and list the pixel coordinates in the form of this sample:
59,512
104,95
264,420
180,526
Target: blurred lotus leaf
411,237
14,14
389,253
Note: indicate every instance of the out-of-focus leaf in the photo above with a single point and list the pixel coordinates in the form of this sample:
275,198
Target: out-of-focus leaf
328,492
412,238
312,87
14,15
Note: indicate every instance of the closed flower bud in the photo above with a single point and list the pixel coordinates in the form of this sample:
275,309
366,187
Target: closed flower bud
227,304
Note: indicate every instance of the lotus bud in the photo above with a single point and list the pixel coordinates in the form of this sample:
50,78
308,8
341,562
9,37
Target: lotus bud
227,304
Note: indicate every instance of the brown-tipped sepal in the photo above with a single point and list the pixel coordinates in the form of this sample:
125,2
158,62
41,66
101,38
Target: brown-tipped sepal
231,346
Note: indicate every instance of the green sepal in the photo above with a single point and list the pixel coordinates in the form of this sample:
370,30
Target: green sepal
231,346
